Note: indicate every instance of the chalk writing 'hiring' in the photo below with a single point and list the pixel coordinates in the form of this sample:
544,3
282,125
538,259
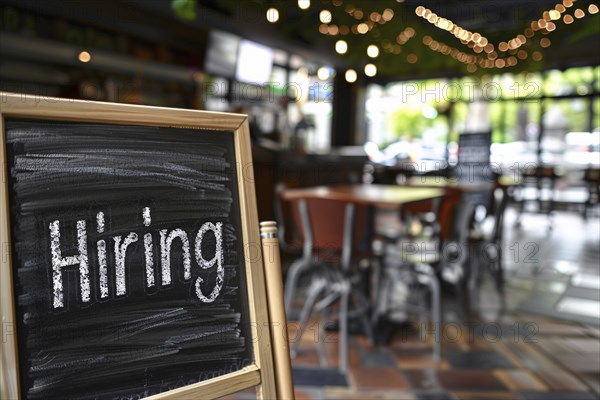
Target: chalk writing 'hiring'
120,249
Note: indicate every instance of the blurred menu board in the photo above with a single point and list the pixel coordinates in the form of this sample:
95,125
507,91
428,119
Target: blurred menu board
474,157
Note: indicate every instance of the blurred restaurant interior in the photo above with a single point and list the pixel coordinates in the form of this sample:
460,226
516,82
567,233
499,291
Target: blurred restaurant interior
433,167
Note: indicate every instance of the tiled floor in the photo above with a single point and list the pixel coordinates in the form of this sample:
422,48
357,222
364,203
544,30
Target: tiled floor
516,356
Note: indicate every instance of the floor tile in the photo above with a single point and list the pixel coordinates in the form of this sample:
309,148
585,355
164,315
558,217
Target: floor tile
377,358
306,356
520,380
352,394
593,331
589,363
530,357
557,396
477,360
418,360
411,345
362,378
469,381
508,353
559,380
422,379
332,351
307,394
485,396
593,381
434,396
584,345
318,377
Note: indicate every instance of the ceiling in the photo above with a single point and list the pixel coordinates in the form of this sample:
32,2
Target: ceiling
574,44
410,56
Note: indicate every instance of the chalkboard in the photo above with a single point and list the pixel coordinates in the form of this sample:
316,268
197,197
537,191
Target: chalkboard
474,163
474,155
131,271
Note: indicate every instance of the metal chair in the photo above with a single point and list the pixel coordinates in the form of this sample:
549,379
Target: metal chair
420,263
331,231
487,242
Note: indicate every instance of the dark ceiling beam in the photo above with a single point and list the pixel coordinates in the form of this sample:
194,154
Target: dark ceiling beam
118,17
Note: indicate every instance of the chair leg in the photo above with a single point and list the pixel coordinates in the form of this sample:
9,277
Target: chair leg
343,323
428,277
436,317
291,281
500,282
315,289
378,289
321,340
473,283
361,302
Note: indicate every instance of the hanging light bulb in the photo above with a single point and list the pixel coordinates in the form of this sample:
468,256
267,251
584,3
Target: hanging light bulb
370,70
84,57
323,73
303,4
373,51
341,47
351,76
325,16
272,15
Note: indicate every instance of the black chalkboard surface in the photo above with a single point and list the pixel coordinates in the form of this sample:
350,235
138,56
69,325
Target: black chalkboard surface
474,164
474,152
128,274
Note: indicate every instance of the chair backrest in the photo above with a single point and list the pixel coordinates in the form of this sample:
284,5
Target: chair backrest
500,202
445,214
332,225
289,231
461,221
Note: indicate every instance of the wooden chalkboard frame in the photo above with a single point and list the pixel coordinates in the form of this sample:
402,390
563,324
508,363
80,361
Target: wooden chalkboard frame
262,373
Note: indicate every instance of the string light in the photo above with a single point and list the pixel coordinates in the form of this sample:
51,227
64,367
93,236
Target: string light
325,16
554,15
351,76
272,15
545,42
304,4
341,47
373,51
479,43
362,28
387,14
448,25
370,70
323,73
484,54
84,57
